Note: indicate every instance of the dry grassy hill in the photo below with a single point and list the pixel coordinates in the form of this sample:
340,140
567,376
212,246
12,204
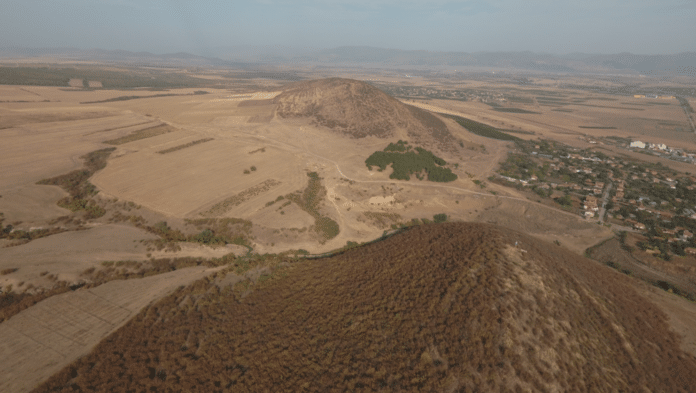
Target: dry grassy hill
358,110
451,307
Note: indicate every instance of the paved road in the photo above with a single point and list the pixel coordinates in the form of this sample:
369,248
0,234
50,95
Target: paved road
602,209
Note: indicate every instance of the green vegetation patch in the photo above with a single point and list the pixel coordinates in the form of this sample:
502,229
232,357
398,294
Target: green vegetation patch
131,78
309,200
76,184
127,98
406,161
184,146
141,134
483,129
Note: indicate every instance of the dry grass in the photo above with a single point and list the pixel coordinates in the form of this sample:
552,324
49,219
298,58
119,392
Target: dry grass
382,220
452,307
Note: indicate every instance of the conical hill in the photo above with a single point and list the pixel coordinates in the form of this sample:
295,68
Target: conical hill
358,109
451,307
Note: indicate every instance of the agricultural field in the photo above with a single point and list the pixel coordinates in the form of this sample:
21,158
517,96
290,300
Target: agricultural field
117,178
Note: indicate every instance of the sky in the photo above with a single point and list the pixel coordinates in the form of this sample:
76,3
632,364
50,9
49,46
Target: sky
202,27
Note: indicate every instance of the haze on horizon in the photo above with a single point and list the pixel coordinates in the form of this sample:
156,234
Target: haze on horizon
161,26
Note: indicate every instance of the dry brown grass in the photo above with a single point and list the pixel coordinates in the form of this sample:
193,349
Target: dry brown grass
452,307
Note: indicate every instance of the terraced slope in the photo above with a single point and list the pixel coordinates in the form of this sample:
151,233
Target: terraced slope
448,307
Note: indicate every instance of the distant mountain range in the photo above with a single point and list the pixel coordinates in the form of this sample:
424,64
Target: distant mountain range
682,64
114,56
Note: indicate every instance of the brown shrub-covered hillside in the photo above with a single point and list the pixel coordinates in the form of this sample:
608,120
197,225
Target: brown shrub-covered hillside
359,110
450,307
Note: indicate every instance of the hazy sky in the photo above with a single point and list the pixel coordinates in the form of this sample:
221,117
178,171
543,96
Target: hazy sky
162,26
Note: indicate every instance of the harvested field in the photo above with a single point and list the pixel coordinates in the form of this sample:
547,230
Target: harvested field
206,177
255,103
88,248
32,203
31,152
43,339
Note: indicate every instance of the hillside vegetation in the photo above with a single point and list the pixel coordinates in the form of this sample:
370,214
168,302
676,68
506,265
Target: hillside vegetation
77,185
406,161
483,129
443,307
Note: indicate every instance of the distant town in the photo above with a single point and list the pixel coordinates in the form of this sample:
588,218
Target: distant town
634,196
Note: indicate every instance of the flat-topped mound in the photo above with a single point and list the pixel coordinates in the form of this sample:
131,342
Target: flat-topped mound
359,110
447,307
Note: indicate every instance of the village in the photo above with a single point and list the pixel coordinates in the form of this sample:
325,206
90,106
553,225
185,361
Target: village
634,196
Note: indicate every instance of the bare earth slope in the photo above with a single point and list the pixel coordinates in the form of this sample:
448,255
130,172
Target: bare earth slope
452,307
359,110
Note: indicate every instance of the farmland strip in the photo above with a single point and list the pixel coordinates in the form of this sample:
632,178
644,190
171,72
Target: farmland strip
238,199
184,146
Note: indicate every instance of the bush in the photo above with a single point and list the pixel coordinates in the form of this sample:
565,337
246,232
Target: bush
442,217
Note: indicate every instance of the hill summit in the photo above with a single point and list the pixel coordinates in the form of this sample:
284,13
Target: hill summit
359,110
448,307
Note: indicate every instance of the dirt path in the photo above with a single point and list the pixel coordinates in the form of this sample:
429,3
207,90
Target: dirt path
41,340
499,154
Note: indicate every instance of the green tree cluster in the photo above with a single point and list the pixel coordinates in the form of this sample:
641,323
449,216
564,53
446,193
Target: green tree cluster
406,161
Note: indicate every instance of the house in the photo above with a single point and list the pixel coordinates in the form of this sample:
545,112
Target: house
590,203
639,225
690,251
637,144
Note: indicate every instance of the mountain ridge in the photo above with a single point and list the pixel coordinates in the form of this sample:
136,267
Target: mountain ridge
676,64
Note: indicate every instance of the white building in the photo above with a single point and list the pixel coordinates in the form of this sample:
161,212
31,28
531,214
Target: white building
638,144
